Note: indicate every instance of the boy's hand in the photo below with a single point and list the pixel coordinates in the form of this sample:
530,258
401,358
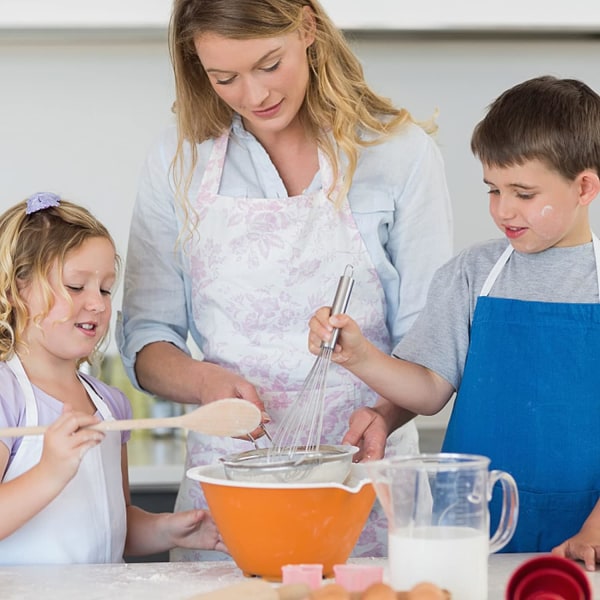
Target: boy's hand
319,329
584,546
350,341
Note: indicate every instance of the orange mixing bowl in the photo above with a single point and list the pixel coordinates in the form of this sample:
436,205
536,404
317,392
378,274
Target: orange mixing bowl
268,525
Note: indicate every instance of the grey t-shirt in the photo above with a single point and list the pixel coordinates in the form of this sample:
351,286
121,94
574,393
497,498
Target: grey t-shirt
439,339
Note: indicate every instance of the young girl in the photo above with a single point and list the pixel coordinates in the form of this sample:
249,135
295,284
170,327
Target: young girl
64,496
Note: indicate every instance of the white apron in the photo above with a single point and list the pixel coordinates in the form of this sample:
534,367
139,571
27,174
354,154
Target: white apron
260,267
86,522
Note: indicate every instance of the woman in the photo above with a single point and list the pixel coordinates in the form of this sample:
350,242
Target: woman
284,168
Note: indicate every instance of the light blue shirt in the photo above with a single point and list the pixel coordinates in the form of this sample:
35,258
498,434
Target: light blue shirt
399,200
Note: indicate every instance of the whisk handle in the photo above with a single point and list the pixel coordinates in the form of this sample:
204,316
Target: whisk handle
340,302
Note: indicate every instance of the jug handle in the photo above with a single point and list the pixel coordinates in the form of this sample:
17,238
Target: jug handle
510,509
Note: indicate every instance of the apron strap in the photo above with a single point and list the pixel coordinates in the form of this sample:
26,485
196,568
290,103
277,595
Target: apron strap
211,179
596,244
491,278
31,412
96,399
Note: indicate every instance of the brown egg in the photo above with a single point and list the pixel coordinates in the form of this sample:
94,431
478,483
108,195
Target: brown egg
330,591
378,591
427,591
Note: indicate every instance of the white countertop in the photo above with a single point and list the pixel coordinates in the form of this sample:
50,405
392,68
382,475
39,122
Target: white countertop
177,581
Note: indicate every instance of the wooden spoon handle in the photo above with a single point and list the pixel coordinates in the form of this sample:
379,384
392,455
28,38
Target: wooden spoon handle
21,431
114,425
229,417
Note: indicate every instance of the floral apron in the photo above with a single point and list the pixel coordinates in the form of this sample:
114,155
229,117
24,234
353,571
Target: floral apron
260,267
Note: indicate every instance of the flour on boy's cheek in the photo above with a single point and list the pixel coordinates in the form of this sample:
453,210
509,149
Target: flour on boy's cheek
546,224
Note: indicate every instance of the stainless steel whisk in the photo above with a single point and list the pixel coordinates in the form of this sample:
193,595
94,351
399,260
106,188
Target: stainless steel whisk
303,423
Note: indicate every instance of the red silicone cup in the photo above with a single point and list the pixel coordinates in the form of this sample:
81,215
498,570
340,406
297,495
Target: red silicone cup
549,577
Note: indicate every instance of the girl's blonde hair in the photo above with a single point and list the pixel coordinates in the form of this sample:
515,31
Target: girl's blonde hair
30,245
338,101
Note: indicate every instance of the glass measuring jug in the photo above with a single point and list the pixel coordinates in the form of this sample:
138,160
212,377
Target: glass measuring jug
438,519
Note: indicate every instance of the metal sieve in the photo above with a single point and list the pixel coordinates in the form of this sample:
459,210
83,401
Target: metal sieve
328,464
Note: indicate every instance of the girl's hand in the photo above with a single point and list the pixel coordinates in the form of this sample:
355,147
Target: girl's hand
351,344
194,529
65,443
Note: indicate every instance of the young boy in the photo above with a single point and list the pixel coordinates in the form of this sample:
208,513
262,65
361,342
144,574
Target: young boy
513,325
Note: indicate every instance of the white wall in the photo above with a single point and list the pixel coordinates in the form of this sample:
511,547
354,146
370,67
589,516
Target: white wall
78,113
397,15
77,116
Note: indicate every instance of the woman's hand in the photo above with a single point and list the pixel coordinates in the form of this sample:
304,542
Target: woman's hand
221,383
369,428
368,431
216,382
168,372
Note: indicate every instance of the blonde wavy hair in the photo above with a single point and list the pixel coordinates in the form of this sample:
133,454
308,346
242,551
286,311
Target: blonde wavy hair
338,101
30,245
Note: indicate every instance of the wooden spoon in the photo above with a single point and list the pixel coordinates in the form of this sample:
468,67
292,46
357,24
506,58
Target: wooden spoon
229,417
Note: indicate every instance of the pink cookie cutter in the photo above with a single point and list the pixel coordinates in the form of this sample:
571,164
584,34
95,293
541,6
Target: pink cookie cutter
311,575
357,578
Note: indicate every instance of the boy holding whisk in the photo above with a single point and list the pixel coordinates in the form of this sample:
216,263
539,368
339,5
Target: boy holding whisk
513,325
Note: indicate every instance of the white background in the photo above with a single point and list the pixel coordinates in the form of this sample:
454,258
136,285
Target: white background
348,14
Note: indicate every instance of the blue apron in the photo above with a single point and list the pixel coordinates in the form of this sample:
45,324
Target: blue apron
530,401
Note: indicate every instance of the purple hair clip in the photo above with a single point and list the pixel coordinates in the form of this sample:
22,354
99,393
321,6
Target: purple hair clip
41,201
